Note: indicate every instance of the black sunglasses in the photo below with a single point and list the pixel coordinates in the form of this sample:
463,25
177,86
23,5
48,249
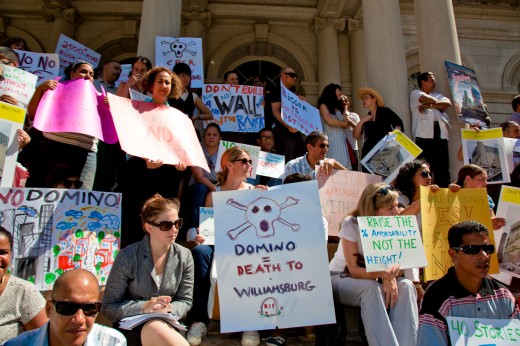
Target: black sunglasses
167,225
476,249
69,183
426,174
291,74
70,308
323,145
243,161
381,192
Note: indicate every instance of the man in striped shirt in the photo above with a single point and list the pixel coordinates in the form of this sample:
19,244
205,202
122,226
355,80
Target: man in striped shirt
465,291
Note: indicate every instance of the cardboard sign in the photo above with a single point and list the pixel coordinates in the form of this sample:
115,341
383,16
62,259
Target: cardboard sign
55,230
207,225
266,277
18,84
76,106
71,51
43,65
173,50
11,119
252,150
483,331
391,240
299,113
236,108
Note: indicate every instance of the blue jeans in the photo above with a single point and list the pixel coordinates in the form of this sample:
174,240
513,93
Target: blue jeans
202,259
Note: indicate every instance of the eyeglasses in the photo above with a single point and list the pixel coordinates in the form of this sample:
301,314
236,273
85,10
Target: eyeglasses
167,225
291,74
426,174
69,183
267,138
323,145
70,308
381,192
244,161
476,249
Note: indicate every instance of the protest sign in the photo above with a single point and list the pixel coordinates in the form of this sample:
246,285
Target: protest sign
299,113
11,120
270,165
207,225
512,151
266,277
137,96
442,209
483,331
390,154
173,50
55,230
391,240
508,238
76,106
18,84
252,150
467,98
485,148
126,69
340,193
43,65
71,51
156,132
236,108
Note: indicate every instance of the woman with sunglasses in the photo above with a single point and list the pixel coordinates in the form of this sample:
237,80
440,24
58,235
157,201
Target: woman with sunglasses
22,307
374,292
153,275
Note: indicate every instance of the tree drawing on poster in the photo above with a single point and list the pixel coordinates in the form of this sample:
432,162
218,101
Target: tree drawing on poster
266,277
442,209
55,230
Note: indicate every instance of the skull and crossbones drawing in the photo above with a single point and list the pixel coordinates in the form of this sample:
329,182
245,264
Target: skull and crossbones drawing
179,48
261,215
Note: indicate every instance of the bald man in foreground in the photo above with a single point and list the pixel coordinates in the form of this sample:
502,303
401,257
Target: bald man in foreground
72,311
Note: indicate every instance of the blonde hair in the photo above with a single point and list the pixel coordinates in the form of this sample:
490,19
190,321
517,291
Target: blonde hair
155,205
229,155
371,199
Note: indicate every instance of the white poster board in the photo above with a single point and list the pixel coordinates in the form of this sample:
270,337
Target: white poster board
272,259
391,240
44,65
271,165
137,96
299,113
173,50
207,225
19,84
11,119
252,150
483,331
512,151
126,69
70,51
508,237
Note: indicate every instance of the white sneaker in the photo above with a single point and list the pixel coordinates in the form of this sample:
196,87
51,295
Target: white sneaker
250,338
197,331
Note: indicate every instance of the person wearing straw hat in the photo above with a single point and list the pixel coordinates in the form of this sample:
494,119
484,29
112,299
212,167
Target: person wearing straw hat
379,121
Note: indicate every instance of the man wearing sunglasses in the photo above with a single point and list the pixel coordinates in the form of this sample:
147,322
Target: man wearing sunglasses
465,291
72,310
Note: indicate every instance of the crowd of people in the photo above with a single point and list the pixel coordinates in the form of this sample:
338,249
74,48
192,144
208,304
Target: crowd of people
153,273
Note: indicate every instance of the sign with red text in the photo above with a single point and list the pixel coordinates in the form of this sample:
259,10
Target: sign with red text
75,106
271,165
483,331
299,113
45,66
173,50
11,120
252,150
272,259
19,84
236,108
71,51
156,132
391,240
340,193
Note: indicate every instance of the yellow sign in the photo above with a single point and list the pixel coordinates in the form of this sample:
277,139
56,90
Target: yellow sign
442,209
12,113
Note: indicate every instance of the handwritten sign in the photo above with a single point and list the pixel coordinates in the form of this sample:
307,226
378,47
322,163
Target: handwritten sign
43,65
340,193
126,69
18,84
11,119
391,240
266,277
173,50
483,331
442,209
70,51
207,225
252,150
55,230
236,108
270,165
299,113
156,132
137,96
508,238
76,106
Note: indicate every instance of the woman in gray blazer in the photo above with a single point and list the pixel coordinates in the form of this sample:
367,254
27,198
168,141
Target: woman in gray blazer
153,275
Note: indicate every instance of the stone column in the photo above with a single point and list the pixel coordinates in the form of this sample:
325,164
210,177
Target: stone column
437,40
158,18
384,55
328,53
357,61
197,24
64,21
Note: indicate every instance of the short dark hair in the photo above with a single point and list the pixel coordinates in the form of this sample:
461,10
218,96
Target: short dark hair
13,40
109,61
227,73
506,124
470,169
143,60
460,229
182,68
315,136
264,130
8,235
215,125
423,77
260,77
296,178
515,102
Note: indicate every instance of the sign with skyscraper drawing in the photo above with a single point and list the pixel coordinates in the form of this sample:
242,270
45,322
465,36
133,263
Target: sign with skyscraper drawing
55,230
